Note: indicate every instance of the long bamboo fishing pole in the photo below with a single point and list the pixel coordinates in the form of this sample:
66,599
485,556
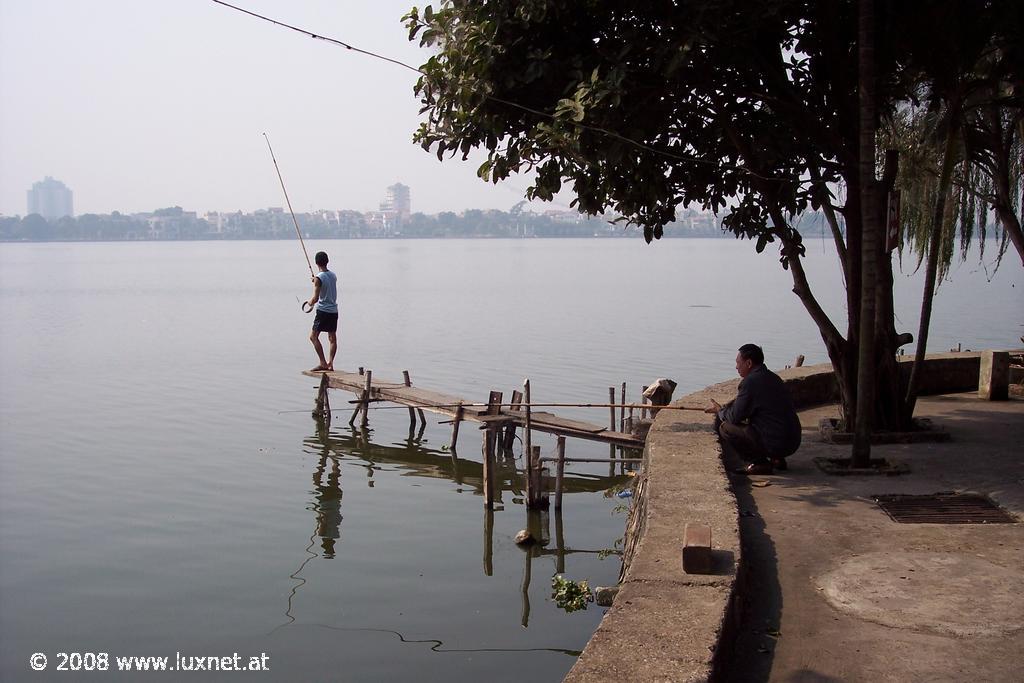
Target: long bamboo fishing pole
296,222
648,406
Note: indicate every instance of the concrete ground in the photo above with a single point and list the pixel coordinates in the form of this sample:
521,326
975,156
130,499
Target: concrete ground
837,591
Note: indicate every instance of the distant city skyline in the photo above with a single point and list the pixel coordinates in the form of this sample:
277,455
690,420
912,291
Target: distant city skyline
143,105
52,199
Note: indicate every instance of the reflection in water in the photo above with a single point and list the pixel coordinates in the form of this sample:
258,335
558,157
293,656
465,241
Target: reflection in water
328,504
488,541
538,524
525,587
327,492
559,543
417,459
413,456
301,581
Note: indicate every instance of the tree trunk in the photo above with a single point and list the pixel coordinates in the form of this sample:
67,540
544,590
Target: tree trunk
835,345
931,268
888,394
870,243
854,253
888,403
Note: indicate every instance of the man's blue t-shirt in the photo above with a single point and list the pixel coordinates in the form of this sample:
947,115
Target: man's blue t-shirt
328,301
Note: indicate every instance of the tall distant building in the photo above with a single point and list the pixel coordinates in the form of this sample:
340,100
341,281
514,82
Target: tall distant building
396,201
51,199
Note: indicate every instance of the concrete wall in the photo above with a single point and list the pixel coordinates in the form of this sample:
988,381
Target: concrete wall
669,625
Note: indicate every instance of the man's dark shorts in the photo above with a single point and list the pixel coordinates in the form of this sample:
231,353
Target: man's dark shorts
325,322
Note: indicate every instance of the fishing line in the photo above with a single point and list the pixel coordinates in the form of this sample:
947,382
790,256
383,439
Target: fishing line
638,406
439,644
536,112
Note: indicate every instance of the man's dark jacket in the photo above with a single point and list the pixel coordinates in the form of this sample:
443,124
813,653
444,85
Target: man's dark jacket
764,402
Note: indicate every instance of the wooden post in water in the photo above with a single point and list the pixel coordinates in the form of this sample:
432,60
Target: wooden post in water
510,430
459,411
490,442
545,528
490,436
327,408
366,398
799,361
532,490
321,393
360,369
643,401
559,472
355,411
412,412
494,403
611,409
622,411
536,497
323,401
559,543
527,446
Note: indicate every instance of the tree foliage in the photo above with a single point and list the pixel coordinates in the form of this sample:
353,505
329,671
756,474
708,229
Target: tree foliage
747,109
970,97
641,107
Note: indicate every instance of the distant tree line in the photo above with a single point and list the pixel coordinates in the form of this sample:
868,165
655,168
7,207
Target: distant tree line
170,223
174,223
476,223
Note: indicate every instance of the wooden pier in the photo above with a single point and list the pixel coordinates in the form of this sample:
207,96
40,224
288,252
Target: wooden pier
498,421
370,389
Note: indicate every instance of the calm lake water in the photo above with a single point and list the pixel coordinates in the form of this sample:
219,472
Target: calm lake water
164,489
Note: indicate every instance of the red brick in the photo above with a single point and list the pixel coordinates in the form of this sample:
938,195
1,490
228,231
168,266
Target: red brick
697,549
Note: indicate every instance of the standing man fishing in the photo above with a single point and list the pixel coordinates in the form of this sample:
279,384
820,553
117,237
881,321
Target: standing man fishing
325,298
325,289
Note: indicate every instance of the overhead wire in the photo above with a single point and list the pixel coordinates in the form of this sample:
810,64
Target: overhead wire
516,105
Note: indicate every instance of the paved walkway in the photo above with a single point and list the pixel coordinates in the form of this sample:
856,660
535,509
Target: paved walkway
837,591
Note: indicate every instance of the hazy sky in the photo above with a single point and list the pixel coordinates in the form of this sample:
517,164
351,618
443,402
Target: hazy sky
142,104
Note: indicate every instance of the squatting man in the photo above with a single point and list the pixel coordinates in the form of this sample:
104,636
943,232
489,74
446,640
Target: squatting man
760,424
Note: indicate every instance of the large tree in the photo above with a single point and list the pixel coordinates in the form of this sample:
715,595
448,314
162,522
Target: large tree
748,109
960,142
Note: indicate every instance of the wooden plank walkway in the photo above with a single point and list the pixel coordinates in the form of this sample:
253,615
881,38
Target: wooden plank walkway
445,404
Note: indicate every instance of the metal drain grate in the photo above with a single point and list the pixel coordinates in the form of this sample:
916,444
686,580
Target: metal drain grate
943,508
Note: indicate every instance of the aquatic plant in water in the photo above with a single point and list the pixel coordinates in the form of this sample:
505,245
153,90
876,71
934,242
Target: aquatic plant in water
570,595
